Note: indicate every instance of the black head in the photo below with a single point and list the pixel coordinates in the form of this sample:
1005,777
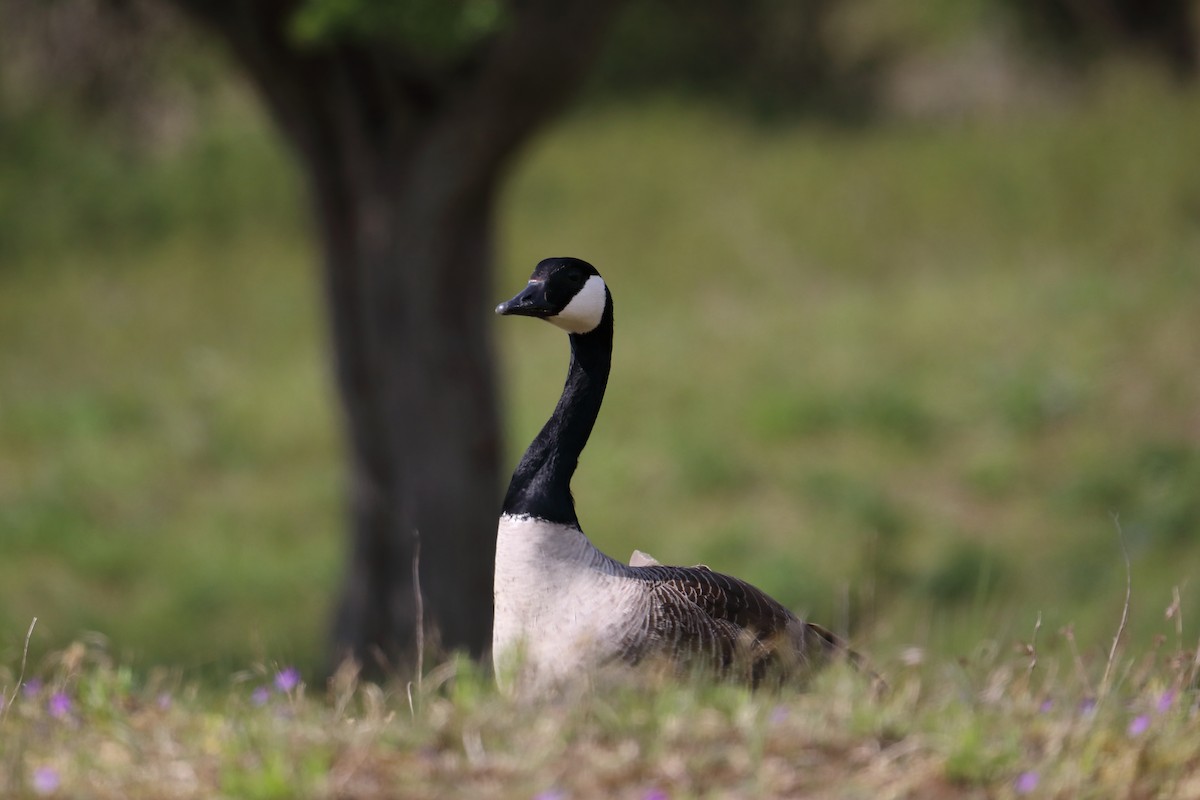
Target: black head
567,292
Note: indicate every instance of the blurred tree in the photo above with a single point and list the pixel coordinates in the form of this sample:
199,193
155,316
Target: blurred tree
404,116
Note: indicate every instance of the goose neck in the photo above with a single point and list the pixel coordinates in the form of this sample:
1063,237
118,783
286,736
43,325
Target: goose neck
541,484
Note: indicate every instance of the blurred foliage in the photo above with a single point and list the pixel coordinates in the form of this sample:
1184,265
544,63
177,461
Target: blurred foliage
1165,29
131,70
438,30
837,57
120,128
764,56
136,61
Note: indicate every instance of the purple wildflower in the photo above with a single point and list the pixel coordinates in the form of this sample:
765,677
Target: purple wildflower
655,794
163,701
778,715
1026,782
1165,701
1046,705
1139,725
287,680
1087,706
260,696
31,687
59,705
45,780
551,794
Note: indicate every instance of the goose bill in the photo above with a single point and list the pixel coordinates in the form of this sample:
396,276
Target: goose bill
529,302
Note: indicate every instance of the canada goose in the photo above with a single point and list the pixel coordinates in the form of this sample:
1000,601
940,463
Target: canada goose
563,608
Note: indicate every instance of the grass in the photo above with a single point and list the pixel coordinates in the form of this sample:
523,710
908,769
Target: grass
993,724
152,479
902,377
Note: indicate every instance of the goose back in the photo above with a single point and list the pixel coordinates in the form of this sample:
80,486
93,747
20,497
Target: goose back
709,620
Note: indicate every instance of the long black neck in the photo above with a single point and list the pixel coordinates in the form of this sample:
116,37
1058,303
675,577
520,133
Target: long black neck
541,484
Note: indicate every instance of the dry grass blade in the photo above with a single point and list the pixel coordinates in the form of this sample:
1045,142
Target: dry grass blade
24,660
1033,660
1112,652
419,606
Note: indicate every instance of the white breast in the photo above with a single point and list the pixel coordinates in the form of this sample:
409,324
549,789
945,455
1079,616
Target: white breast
562,606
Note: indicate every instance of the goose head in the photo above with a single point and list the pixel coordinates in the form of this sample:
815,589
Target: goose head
566,292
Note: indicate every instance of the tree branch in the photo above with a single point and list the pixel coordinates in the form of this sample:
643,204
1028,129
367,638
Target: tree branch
531,68
376,81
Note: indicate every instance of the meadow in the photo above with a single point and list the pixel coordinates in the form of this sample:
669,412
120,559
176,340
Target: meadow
933,383
976,728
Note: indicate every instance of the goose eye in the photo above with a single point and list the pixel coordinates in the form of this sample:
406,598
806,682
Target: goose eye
575,276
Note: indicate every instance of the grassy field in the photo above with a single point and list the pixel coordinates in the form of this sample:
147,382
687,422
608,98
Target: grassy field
986,726
923,381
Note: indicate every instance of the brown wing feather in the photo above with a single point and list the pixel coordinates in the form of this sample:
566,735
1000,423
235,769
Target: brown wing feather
697,616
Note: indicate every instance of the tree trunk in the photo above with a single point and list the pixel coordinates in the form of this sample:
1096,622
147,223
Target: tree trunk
406,215
404,163
409,288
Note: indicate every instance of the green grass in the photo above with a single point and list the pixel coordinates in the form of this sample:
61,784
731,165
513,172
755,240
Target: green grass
902,377
170,473
993,724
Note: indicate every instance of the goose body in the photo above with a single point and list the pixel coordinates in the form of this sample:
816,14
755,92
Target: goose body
562,607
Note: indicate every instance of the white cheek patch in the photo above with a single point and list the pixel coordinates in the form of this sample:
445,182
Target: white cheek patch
585,310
